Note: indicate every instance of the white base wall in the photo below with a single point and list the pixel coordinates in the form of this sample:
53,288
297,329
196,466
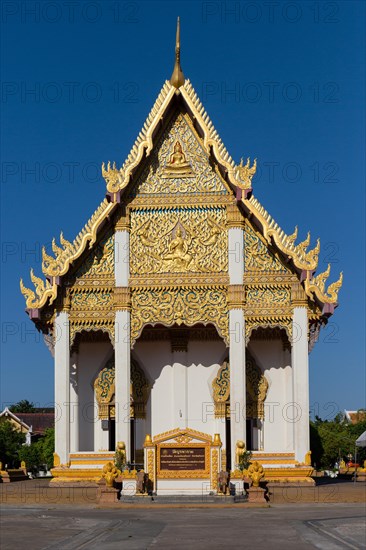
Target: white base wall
91,359
183,487
277,427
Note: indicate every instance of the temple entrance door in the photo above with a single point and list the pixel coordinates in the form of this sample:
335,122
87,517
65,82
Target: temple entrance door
133,440
112,434
249,429
228,441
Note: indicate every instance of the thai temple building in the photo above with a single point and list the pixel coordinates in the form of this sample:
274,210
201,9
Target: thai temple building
181,317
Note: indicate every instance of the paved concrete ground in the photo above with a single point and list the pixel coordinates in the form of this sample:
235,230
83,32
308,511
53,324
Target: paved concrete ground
282,527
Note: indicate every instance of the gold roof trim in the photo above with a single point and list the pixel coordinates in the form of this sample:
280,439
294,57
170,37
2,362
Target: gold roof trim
303,259
65,254
316,286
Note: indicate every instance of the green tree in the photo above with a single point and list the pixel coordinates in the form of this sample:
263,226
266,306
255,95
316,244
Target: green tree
10,444
48,447
335,439
23,406
40,452
31,454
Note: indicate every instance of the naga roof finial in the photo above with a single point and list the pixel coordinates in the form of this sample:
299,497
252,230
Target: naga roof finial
177,79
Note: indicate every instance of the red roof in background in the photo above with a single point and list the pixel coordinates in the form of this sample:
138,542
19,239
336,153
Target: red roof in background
355,416
39,421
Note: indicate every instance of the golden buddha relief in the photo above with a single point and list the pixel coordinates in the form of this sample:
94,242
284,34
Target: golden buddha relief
179,240
177,166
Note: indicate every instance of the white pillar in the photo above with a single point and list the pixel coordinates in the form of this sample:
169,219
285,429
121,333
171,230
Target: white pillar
121,257
62,386
300,367
236,255
237,380
123,379
122,348
74,405
236,333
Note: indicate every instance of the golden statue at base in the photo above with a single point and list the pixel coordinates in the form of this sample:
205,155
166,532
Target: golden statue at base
308,458
177,167
240,450
255,472
110,473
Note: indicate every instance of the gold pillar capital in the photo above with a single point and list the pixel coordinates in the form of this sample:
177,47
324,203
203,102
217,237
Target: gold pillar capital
122,298
236,297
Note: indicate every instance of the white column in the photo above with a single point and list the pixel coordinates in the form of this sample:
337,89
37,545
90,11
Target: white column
300,368
122,340
123,379
237,380
62,386
74,405
236,255
237,338
121,257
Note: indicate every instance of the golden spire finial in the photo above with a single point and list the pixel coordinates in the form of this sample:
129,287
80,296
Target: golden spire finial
177,79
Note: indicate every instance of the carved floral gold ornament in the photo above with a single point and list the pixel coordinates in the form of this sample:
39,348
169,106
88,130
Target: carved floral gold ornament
181,240
104,387
268,321
256,390
257,255
179,305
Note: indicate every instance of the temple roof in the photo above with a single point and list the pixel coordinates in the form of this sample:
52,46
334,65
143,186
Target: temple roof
238,177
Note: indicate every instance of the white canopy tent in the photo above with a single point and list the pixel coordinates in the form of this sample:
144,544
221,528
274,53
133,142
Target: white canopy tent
361,441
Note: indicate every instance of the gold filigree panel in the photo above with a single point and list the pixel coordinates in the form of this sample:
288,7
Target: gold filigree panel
98,264
268,321
257,256
179,164
256,389
90,299
179,240
179,306
104,387
265,295
90,322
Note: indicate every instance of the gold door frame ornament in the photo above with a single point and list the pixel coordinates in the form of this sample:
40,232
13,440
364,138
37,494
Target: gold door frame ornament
256,390
221,391
104,386
104,389
179,305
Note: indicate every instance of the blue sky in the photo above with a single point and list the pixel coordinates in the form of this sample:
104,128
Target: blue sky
281,81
